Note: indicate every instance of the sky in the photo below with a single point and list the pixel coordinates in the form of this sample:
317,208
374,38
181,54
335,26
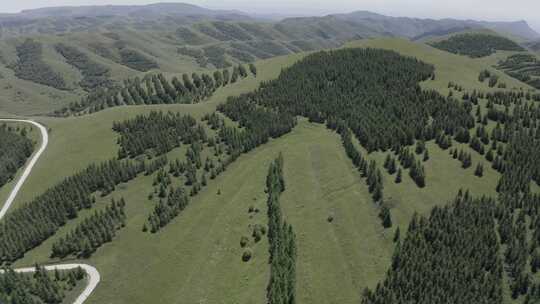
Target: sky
488,10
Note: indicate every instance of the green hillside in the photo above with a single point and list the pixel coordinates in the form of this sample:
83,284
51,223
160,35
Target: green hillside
477,45
204,156
342,246
131,41
524,67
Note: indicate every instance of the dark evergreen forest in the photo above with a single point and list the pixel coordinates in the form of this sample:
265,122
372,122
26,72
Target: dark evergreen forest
282,284
37,220
376,93
449,257
477,45
14,151
524,67
94,74
159,132
40,287
94,231
30,66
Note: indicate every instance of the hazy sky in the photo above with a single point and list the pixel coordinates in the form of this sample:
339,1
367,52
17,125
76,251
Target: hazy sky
491,10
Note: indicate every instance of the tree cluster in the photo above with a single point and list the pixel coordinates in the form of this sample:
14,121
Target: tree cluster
14,151
281,286
95,75
523,67
370,171
167,209
40,287
154,89
257,124
450,257
158,131
477,45
137,60
30,66
376,93
37,220
90,234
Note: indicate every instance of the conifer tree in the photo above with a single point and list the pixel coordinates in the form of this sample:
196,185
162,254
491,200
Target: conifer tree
398,176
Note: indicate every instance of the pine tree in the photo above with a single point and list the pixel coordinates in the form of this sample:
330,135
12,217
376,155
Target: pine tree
253,69
479,171
385,216
392,166
398,176
397,235
466,161
426,155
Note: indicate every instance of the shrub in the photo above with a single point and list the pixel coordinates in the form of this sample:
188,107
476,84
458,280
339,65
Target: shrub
244,240
246,256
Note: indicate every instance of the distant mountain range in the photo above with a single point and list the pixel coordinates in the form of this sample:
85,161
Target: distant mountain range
138,11
163,16
415,27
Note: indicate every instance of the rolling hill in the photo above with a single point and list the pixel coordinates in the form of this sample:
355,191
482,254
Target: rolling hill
205,237
338,176
129,41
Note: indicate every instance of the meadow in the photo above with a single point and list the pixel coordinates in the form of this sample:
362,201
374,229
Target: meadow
197,258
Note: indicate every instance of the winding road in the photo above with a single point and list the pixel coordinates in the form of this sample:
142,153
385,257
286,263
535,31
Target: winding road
92,272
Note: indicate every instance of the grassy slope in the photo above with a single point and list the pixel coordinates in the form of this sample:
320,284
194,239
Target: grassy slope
335,260
431,39
76,142
27,98
197,257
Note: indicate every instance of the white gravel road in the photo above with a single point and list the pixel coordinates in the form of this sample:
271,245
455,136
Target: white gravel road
93,274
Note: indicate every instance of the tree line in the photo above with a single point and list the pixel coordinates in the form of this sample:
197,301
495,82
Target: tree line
96,230
167,209
368,170
15,149
523,67
281,286
37,220
257,124
158,131
95,75
40,287
155,89
477,45
30,66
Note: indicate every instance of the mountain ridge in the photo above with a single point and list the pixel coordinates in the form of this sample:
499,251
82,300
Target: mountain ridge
363,22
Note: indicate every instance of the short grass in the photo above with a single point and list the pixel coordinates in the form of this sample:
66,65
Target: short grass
336,259
196,258
76,142
444,178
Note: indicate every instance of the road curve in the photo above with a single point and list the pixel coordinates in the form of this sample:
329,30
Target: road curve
29,167
92,272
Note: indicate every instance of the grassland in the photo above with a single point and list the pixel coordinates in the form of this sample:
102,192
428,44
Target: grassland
197,258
